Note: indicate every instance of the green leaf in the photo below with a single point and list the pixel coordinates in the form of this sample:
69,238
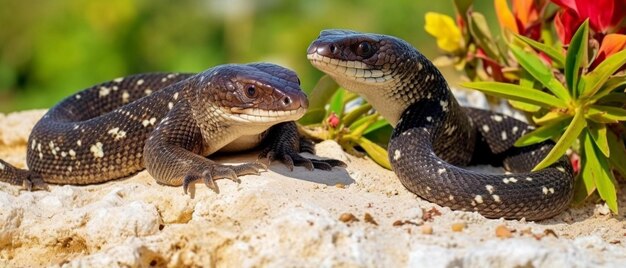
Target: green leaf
379,135
462,6
313,116
555,55
618,153
572,132
356,130
607,112
377,125
598,133
550,117
613,83
616,98
545,132
353,115
517,93
480,31
322,92
576,57
336,102
533,65
377,153
594,80
586,185
598,169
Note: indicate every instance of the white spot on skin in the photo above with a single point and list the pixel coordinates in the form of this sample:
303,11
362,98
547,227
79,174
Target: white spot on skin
118,80
496,118
1,166
63,154
39,147
529,179
441,171
397,154
117,133
170,105
496,198
429,118
479,199
560,169
40,156
104,91
428,189
125,96
485,128
140,82
163,79
97,150
32,145
69,168
545,190
509,180
80,143
490,188
444,105
176,96
146,122
504,137
77,96
450,197
72,153
551,190
473,203
514,130
148,92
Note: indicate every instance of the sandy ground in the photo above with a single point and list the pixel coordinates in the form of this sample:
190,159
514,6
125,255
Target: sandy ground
352,217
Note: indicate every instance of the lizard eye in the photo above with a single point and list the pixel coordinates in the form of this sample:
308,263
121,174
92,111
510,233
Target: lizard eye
251,91
365,50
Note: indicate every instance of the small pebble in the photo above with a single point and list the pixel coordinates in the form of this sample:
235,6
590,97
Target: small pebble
369,219
348,218
458,227
426,229
503,232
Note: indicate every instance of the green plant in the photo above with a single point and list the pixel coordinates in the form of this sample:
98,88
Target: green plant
583,113
571,87
336,114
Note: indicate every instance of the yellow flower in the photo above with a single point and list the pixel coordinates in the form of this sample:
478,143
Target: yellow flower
443,28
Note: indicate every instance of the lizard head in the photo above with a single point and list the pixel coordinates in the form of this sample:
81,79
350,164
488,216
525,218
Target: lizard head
256,93
387,71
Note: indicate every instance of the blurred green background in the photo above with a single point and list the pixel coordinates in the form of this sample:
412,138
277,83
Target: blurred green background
51,49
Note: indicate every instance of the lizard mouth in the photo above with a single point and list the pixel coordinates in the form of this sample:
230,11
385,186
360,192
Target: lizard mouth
355,70
261,115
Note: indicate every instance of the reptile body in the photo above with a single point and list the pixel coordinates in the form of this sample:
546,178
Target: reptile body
434,137
167,123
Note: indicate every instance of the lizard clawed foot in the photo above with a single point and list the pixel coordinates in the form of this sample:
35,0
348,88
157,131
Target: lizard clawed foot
291,158
216,172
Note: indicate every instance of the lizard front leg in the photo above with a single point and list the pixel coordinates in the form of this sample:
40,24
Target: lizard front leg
284,143
171,154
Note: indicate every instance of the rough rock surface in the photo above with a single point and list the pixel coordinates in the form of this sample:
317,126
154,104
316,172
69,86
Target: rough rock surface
279,219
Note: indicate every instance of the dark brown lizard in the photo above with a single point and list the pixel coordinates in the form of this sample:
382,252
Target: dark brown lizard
168,123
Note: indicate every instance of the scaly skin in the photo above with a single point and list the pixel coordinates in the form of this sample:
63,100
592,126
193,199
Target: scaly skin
434,137
167,123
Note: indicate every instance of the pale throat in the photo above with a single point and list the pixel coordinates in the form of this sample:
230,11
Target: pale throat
380,97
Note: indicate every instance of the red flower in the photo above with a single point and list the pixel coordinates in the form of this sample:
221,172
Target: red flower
611,44
525,18
603,16
333,120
